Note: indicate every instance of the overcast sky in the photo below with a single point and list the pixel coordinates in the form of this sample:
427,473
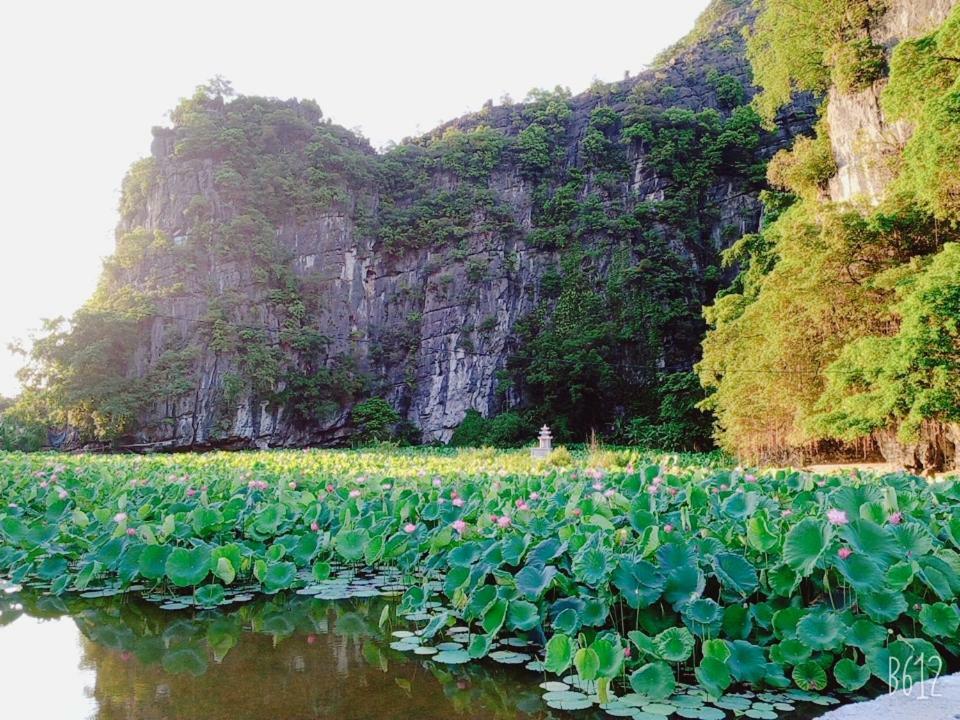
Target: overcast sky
84,82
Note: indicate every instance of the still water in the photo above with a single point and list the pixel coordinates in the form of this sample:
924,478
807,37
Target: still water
294,658
269,660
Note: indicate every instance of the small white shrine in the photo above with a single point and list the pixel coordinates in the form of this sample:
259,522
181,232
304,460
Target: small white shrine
545,447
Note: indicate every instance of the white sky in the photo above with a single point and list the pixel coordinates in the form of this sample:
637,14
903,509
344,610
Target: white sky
83,82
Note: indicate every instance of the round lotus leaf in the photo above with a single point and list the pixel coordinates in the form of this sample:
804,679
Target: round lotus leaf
187,567
660,708
509,658
452,657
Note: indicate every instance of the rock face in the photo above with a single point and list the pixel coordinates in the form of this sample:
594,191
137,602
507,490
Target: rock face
865,144
433,327
866,147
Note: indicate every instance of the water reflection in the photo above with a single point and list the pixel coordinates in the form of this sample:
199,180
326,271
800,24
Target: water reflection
281,659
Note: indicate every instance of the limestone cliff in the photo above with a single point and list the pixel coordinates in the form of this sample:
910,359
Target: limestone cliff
412,284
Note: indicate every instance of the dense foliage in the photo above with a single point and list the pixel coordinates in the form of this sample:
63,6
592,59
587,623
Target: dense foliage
843,322
628,572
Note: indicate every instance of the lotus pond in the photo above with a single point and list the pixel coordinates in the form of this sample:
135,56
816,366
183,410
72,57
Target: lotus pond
480,583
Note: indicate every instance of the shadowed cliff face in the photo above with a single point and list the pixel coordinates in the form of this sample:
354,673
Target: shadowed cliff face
291,271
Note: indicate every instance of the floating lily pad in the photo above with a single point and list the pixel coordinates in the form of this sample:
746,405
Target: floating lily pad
509,658
452,657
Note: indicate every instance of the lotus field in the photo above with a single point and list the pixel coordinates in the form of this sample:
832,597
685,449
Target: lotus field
649,585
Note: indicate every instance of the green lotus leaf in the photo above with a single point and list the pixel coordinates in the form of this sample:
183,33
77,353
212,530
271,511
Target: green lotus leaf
882,606
872,541
610,655
205,521
805,543
559,654
940,620
567,621
495,616
760,534
790,652
522,615
587,663
639,582
717,649
821,630
479,646
224,570
747,662
187,567
861,572
849,675
900,575
864,634
809,676
278,576
153,560
674,644
655,680
735,572
351,544
713,676
592,565
533,580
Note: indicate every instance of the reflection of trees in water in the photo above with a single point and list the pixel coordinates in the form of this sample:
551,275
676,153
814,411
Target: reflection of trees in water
279,660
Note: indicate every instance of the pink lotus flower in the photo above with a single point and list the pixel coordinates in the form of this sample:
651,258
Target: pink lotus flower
459,525
120,517
610,492
386,486
311,639
668,528
844,552
131,531
576,512
837,517
673,491
454,493
292,485
534,496
626,652
724,487
786,513
629,469
458,502
314,527
191,492
354,493
598,486
43,484
895,519
653,488
751,478
504,521
63,495
409,528
362,479
715,490
330,488
437,482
